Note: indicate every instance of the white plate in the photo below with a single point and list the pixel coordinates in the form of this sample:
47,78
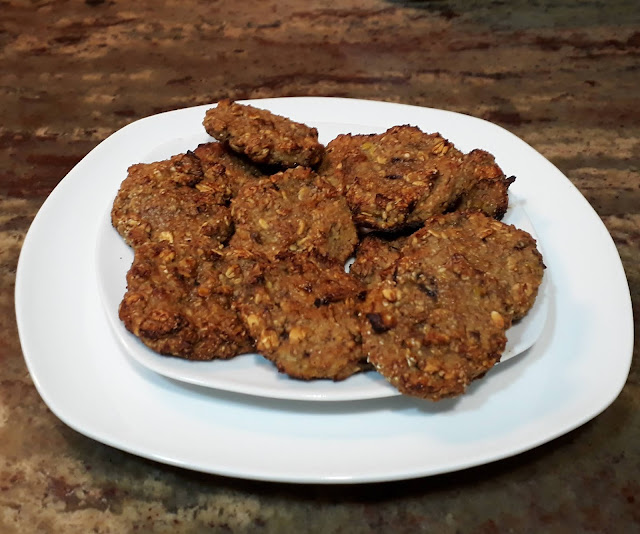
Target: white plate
574,371
250,373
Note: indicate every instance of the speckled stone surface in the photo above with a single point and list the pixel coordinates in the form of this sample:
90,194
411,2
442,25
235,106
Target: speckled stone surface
562,75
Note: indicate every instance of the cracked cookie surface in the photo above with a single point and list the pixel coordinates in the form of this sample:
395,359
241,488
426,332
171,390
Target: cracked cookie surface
401,177
171,201
293,211
437,320
303,317
262,136
178,303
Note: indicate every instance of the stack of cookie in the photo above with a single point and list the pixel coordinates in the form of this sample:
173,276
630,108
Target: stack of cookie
240,245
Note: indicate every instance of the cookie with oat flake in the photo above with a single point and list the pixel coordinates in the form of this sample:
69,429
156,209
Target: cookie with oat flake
303,317
172,201
179,302
399,178
437,319
262,136
294,211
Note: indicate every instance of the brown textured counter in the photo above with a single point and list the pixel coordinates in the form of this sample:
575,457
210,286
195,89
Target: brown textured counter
564,76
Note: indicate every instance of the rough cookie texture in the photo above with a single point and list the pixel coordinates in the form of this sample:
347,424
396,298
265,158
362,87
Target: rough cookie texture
401,177
262,136
374,256
179,303
303,317
490,192
426,337
503,251
224,167
171,201
293,211
228,258
438,320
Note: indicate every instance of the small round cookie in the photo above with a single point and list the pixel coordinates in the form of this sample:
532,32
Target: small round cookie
398,178
262,136
168,201
178,303
221,166
303,317
291,212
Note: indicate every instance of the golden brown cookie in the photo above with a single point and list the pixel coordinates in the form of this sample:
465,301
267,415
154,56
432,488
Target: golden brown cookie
221,166
170,201
490,192
426,335
303,317
178,303
291,212
437,321
403,176
262,136
503,251
374,256
397,178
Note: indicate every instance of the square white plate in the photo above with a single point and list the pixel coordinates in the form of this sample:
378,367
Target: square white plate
575,370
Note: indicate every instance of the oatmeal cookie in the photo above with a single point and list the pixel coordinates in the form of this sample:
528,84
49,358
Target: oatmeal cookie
293,211
178,303
505,252
303,317
490,190
432,331
438,320
336,160
221,166
262,136
403,176
397,178
375,254
171,201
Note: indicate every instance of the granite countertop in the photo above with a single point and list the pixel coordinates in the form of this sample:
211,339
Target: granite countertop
564,76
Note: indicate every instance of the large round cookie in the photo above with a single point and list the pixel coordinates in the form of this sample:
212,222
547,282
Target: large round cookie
403,176
262,136
302,314
437,319
171,201
293,211
178,302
